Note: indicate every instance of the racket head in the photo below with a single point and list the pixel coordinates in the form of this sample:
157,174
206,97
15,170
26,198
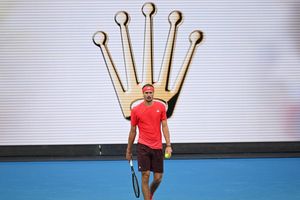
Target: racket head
135,182
135,185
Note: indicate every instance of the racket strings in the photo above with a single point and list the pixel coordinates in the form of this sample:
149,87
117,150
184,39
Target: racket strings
135,186
135,182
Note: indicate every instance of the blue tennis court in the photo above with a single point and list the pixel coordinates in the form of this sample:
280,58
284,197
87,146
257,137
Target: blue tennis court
207,179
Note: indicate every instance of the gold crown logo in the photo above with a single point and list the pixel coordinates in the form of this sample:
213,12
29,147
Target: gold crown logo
133,93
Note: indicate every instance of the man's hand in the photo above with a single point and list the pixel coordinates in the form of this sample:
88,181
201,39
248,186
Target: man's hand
128,155
168,150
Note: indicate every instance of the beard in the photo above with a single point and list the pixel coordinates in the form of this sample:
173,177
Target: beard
149,99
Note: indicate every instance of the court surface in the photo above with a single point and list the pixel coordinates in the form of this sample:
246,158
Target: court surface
201,179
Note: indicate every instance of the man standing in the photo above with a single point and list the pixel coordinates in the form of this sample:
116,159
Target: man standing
150,117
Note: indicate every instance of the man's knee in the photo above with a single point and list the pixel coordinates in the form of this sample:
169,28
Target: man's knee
158,178
145,175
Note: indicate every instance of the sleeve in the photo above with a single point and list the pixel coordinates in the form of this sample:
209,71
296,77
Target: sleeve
133,118
163,113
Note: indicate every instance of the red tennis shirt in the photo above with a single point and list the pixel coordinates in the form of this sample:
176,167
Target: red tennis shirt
148,119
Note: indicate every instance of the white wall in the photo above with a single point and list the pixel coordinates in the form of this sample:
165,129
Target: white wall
243,84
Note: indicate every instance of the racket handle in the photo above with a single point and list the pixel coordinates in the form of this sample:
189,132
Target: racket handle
130,162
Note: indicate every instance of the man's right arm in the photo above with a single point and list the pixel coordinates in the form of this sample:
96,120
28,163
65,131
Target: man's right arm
131,138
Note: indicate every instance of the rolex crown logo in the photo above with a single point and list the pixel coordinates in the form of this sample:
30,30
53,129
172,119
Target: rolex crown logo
133,93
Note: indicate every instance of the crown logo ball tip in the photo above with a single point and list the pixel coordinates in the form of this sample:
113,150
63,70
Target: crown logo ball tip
148,9
196,37
175,17
100,38
122,18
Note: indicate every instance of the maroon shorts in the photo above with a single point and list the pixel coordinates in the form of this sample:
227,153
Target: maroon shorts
150,159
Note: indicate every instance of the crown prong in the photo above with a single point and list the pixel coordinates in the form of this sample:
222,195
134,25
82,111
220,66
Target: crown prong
100,39
195,39
175,18
148,10
122,18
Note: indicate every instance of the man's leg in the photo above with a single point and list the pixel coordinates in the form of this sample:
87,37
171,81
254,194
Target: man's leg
156,181
145,184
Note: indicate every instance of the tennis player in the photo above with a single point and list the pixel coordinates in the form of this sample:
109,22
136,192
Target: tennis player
150,118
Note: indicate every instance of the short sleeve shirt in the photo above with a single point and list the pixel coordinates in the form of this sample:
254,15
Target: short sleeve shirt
148,119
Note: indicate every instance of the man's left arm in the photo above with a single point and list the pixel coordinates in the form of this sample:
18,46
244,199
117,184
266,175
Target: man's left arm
166,134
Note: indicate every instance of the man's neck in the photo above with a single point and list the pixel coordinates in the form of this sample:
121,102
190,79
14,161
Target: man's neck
148,103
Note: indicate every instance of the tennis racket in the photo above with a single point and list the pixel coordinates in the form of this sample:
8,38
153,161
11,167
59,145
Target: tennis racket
135,182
